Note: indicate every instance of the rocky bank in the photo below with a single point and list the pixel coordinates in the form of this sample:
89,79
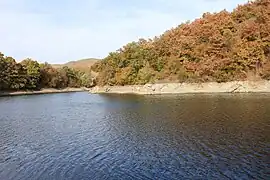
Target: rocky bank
43,91
178,88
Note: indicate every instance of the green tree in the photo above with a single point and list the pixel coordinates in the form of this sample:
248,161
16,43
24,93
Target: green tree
33,73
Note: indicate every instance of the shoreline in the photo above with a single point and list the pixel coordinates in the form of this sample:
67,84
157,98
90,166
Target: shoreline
43,91
184,88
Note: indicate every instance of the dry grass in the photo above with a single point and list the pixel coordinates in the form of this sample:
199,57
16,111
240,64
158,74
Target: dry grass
252,76
83,65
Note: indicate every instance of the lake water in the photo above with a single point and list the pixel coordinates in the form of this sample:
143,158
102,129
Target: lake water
85,136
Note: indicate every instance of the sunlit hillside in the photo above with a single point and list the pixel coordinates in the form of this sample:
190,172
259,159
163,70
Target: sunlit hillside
222,46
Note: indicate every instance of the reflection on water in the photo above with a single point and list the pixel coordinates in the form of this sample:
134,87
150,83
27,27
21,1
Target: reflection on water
84,136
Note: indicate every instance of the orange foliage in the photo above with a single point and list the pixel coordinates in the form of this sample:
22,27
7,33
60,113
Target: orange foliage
218,47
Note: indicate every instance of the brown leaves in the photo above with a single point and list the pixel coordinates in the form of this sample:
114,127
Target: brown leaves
220,47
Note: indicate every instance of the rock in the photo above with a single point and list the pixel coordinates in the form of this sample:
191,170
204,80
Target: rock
176,88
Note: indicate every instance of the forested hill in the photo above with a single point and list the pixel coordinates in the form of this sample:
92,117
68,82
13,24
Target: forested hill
220,47
30,75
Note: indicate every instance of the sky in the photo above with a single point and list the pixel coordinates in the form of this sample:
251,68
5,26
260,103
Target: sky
58,31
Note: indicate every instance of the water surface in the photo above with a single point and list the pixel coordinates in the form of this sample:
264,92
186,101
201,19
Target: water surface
84,136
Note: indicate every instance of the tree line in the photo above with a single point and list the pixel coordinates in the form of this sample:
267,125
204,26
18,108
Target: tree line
223,46
31,75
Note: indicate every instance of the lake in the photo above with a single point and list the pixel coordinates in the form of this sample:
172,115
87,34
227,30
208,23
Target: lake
85,136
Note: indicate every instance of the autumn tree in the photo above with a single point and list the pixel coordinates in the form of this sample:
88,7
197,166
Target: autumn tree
218,47
32,72
30,75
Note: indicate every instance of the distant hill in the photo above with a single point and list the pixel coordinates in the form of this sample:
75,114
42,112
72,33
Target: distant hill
83,64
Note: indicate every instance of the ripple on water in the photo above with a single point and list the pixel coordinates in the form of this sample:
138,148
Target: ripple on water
83,136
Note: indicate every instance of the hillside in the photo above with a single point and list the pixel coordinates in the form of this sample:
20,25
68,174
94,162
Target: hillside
218,47
83,64
31,75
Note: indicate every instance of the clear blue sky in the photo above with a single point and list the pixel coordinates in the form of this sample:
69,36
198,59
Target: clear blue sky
58,31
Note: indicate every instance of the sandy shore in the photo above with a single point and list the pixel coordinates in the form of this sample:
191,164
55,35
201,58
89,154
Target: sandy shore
178,88
43,91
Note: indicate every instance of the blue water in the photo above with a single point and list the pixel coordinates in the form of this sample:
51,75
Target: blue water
85,136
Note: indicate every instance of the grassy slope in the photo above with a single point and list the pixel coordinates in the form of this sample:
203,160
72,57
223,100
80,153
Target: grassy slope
83,64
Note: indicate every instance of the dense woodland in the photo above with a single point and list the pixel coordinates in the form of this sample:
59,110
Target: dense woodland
219,47
30,75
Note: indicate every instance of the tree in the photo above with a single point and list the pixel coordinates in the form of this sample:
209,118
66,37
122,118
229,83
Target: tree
30,75
219,47
33,73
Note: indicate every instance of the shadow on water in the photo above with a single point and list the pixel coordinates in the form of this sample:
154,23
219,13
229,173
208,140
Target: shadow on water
82,136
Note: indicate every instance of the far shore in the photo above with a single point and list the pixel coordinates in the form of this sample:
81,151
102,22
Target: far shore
42,91
181,88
